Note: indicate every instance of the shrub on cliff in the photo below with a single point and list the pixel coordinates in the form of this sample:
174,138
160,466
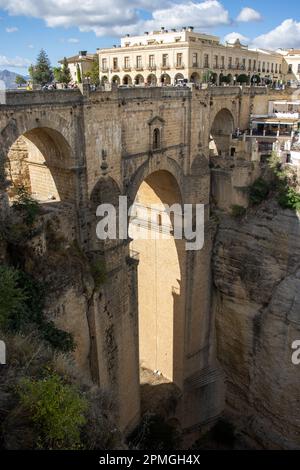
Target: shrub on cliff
259,191
22,307
57,411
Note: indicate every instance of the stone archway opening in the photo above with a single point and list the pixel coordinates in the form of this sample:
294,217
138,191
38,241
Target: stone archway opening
221,133
39,161
127,80
151,80
161,281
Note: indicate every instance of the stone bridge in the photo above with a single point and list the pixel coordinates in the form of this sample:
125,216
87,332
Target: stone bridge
152,144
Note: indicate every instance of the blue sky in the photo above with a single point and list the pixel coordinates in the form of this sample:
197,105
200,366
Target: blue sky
63,27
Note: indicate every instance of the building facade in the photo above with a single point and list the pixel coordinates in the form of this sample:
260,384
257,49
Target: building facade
292,65
80,64
168,57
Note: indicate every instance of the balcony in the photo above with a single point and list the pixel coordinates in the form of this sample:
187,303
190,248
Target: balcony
179,66
165,66
104,69
139,68
115,69
195,65
126,69
152,68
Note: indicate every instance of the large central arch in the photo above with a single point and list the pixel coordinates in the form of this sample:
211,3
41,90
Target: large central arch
160,276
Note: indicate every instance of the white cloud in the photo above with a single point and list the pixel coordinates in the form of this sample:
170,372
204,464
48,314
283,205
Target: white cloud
286,35
11,29
16,62
232,37
249,14
31,46
73,40
116,17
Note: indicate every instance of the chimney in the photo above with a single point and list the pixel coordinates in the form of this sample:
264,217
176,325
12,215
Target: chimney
127,35
146,33
82,53
184,28
162,29
191,28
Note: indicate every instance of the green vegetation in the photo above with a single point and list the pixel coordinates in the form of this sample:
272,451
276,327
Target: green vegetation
56,410
93,74
238,211
258,191
41,73
78,73
25,203
285,186
63,74
22,307
20,80
243,78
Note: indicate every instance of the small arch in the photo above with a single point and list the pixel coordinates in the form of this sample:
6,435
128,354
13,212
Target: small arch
127,80
156,139
165,79
221,133
115,80
139,80
195,77
104,80
178,77
152,80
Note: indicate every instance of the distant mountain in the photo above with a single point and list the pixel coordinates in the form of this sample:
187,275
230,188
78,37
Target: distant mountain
9,78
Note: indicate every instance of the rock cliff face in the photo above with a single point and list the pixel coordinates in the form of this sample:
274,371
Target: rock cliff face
257,306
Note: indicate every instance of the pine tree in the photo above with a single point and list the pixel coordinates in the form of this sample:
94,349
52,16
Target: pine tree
94,73
41,73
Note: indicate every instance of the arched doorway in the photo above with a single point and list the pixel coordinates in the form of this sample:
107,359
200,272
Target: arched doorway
104,80
139,80
40,162
115,80
165,79
127,80
151,80
160,277
195,77
221,132
178,77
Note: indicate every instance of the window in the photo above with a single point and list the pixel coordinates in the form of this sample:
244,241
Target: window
276,68
165,60
138,61
206,62
237,63
254,64
298,68
156,139
216,61
272,68
115,63
230,62
151,61
126,63
222,62
249,64
195,59
179,60
290,68
104,64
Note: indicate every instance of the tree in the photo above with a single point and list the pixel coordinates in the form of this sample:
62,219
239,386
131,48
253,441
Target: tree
66,76
94,73
41,73
57,72
20,80
243,78
78,73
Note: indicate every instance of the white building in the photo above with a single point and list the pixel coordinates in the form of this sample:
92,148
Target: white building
166,57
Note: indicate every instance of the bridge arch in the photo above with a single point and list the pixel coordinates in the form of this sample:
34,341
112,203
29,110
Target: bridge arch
161,272
221,129
36,154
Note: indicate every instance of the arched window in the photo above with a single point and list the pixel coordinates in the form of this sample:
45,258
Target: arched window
156,139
